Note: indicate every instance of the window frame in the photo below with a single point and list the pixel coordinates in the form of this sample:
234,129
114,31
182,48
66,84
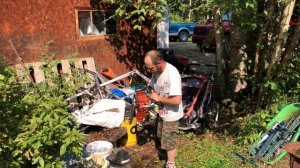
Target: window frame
100,36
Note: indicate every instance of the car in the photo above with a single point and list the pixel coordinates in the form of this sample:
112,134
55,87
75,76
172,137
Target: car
181,31
203,33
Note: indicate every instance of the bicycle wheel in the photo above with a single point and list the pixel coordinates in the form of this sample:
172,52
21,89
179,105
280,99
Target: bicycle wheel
212,116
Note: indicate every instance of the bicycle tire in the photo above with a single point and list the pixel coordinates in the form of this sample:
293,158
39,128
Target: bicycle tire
213,115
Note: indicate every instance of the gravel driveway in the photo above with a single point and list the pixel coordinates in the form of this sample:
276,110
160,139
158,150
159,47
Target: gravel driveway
192,51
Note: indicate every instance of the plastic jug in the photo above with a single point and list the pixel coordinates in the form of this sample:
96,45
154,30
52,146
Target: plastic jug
130,139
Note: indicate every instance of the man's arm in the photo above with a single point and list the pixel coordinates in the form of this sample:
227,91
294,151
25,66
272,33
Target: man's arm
171,100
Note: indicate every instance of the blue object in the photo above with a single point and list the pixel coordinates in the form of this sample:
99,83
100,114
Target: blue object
181,31
119,93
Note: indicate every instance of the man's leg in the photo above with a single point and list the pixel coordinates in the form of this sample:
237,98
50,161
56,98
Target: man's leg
168,140
162,154
171,155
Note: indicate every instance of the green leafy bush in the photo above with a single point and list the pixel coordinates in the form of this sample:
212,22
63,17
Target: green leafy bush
276,92
252,125
13,113
36,127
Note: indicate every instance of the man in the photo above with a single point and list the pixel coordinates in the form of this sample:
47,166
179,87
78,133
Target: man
166,84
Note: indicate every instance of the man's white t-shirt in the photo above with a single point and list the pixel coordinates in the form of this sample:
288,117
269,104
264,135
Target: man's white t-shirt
168,83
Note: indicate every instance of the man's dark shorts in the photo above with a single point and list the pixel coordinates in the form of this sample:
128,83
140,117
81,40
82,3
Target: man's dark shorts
167,131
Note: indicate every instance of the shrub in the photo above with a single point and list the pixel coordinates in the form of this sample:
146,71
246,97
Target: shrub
36,127
276,92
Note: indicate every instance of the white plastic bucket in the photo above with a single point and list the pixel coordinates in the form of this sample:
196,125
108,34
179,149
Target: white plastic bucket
102,148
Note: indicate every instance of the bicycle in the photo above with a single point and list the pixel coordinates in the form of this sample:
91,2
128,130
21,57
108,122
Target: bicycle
197,93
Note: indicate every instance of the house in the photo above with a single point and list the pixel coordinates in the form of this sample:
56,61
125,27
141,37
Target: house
73,26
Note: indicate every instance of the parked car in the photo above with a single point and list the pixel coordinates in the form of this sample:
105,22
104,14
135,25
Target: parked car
203,33
181,31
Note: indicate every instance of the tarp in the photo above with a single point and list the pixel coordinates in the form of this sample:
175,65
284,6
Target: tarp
106,113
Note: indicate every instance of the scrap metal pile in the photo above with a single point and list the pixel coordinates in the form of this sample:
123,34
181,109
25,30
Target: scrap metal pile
106,106
109,108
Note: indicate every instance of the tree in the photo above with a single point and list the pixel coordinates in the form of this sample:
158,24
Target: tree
139,11
260,41
220,53
259,33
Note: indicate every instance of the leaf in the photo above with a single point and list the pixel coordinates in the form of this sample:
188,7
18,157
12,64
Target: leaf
245,141
63,149
64,121
55,116
58,166
139,27
76,150
134,12
251,5
263,116
158,15
45,104
163,1
121,12
1,77
41,162
151,12
48,165
68,140
35,160
16,152
251,139
42,115
142,18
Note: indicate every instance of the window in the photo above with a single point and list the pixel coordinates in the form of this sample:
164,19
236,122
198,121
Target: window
95,23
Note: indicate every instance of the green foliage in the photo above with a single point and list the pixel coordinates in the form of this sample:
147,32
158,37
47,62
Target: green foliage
277,92
13,112
179,11
288,81
284,88
36,127
137,12
252,125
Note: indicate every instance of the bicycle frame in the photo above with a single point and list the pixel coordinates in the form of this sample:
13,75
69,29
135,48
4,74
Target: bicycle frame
202,83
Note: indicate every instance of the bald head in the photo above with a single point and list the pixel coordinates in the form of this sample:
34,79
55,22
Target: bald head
154,56
154,61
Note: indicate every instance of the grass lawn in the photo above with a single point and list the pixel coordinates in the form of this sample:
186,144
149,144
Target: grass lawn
209,151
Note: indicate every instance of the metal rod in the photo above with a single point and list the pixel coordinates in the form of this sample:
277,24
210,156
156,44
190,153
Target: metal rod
124,76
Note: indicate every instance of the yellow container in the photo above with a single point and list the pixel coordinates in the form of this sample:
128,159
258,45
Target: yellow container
130,139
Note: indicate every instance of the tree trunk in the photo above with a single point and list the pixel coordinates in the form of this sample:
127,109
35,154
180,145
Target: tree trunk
190,12
262,38
284,25
238,56
221,82
294,43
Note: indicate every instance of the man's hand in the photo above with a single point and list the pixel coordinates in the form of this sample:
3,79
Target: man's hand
172,100
154,96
